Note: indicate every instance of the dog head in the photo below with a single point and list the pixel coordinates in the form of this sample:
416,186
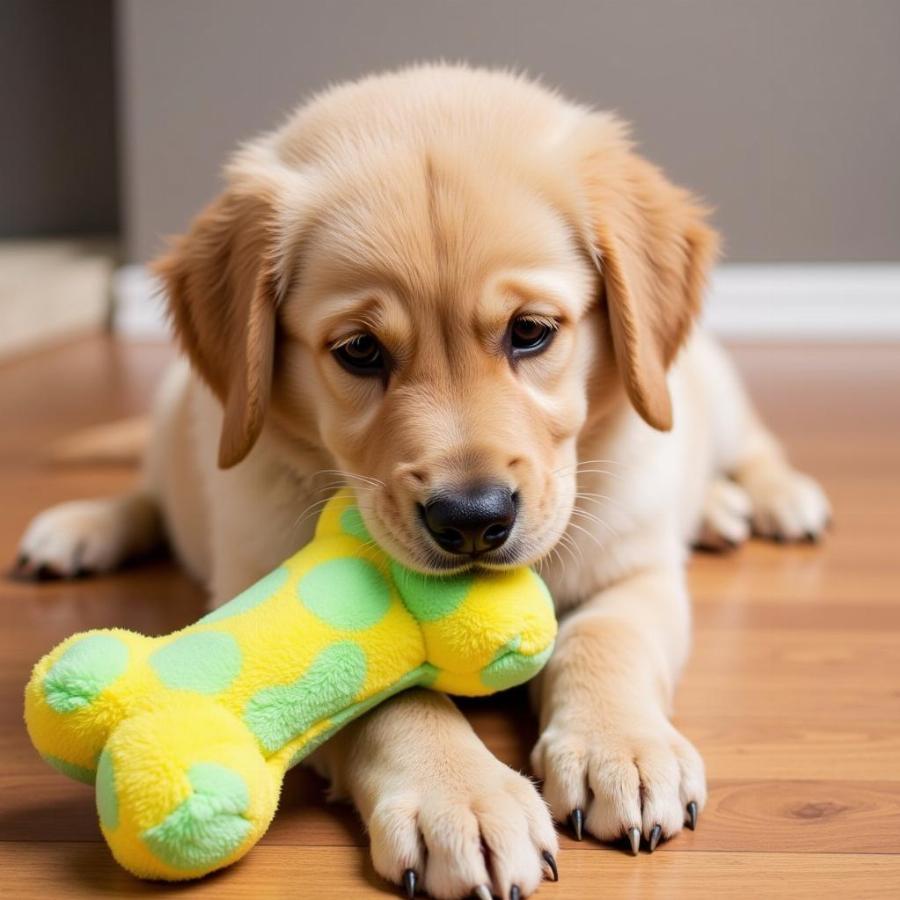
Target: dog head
442,278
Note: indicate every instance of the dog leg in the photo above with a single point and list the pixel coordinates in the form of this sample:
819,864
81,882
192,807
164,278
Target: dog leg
443,814
785,505
612,762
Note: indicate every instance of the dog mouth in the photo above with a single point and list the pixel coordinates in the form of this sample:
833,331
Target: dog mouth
411,543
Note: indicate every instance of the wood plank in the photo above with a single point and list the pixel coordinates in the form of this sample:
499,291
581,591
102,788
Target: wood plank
85,870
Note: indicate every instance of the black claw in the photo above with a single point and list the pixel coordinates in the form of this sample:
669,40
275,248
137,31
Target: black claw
812,537
634,840
515,893
548,858
692,815
409,883
576,818
655,835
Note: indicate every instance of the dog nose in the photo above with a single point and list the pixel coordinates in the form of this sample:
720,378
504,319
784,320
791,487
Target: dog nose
473,520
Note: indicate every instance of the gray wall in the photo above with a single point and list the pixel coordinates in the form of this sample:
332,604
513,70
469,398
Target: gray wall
784,114
58,147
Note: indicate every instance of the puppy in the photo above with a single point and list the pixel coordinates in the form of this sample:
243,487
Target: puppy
473,302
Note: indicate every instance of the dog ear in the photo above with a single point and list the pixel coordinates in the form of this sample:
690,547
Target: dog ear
222,284
653,248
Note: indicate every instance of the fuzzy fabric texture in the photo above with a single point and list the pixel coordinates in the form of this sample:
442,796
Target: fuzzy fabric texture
187,737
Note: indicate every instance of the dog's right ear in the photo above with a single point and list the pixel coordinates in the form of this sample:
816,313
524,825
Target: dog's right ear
223,282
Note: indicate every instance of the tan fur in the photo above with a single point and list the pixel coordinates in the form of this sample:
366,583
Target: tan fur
429,206
222,293
654,251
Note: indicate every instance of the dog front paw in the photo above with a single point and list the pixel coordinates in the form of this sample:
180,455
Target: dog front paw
476,828
641,780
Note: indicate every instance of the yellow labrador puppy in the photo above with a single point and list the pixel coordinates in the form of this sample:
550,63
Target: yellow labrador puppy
471,300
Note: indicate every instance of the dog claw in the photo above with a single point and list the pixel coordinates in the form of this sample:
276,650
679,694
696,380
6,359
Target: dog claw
655,835
634,840
515,893
409,883
483,892
692,815
576,818
551,861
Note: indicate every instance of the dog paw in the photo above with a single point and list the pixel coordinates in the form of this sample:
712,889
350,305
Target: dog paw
86,537
645,782
787,505
477,829
725,521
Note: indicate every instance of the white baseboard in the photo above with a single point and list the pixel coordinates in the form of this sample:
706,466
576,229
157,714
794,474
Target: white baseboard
138,304
841,301
859,302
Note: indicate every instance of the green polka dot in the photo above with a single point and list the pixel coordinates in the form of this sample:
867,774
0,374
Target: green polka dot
78,773
257,593
278,714
205,661
347,593
422,676
430,597
513,668
429,675
207,827
83,671
352,524
107,802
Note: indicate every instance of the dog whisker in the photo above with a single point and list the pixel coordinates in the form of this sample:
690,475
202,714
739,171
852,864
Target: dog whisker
366,479
605,501
595,520
567,544
308,512
591,535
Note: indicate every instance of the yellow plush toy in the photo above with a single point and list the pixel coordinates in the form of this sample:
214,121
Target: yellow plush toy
188,736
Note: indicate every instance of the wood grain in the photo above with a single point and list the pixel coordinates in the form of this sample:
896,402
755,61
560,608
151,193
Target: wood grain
792,693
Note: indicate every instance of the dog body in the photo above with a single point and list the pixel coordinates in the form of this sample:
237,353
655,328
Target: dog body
455,290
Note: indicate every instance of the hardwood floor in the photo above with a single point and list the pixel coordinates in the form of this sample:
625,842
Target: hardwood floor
792,693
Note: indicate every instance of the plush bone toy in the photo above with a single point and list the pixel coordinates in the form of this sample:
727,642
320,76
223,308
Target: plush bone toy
188,736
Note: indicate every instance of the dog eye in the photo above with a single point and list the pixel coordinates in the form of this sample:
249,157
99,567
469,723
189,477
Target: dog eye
528,335
361,355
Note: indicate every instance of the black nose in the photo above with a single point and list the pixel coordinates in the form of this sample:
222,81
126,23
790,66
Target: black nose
472,520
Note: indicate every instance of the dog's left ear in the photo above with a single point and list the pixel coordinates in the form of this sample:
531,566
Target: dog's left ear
654,250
